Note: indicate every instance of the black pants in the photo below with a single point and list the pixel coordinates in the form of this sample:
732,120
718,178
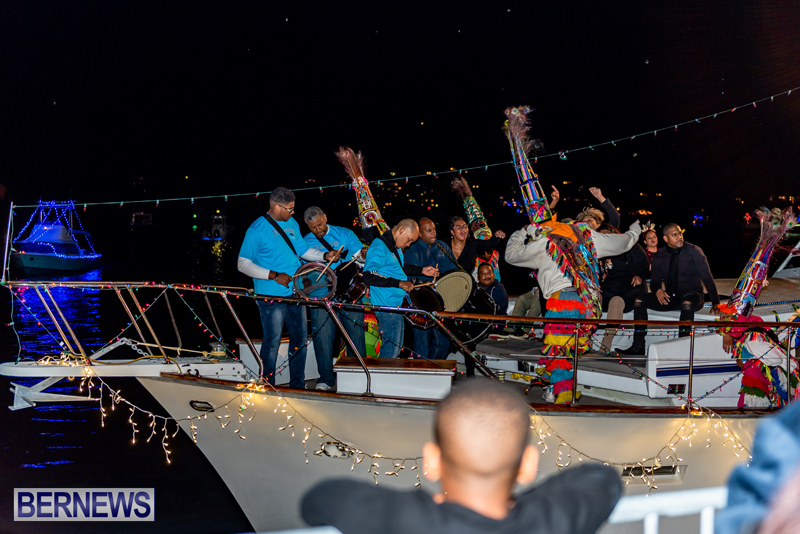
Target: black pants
687,302
629,295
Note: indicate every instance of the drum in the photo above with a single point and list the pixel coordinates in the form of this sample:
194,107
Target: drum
424,298
455,287
315,281
460,294
349,283
475,331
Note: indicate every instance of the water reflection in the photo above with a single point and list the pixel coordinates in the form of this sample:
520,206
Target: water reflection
81,308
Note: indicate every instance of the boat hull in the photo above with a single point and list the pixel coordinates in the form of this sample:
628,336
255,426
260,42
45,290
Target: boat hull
268,470
31,263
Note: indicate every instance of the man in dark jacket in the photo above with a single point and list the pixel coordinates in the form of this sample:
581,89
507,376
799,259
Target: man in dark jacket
482,448
678,274
493,288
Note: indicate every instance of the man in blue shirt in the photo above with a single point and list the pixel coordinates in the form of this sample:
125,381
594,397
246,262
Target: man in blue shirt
387,275
271,253
430,252
324,238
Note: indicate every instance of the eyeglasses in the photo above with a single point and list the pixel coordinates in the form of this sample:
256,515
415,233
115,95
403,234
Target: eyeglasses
460,227
290,210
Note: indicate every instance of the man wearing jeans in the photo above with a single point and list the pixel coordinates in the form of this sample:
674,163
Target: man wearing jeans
386,274
430,252
325,237
271,253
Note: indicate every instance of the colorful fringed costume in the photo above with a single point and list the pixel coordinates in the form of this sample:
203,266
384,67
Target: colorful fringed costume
565,256
372,222
766,375
477,222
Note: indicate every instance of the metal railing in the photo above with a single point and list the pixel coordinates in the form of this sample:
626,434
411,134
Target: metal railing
141,323
649,508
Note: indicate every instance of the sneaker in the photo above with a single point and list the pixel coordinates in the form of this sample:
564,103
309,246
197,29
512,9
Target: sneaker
548,396
322,386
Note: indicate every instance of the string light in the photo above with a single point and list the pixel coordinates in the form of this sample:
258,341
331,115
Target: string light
245,400
464,169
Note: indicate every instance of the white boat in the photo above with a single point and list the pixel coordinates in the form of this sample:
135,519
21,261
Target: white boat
270,445
50,241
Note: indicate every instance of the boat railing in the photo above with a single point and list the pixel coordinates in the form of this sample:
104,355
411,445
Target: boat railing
649,508
139,316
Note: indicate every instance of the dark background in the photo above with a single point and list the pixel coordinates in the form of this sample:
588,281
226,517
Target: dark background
119,104
143,101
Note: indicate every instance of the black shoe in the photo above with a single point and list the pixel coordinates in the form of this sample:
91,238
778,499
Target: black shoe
635,350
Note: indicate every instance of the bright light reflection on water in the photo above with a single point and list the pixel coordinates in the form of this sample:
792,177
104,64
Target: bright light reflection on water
80,307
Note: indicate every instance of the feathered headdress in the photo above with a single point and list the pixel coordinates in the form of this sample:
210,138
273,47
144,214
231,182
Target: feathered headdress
774,225
516,130
368,211
477,223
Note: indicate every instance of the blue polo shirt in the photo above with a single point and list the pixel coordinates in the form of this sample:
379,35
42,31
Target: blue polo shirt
382,261
336,237
265,247
424,255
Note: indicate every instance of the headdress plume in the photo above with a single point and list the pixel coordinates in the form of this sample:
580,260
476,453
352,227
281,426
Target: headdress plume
774,225
516,130
368,212
477,222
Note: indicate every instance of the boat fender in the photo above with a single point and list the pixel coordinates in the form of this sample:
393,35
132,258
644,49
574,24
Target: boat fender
335,449
201,406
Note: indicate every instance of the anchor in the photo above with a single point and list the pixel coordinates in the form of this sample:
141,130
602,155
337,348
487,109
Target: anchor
27,397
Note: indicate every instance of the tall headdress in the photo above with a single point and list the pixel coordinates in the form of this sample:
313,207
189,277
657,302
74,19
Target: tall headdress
774,225
368,211
477,222
516,130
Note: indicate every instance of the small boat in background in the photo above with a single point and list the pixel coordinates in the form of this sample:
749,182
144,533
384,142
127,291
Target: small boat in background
50,242
219,227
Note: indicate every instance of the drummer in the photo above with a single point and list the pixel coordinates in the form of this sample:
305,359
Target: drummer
326,237
271,253
387,275
430,252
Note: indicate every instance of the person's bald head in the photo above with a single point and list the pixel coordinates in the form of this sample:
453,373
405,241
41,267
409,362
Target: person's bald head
482,429
405,232
427,231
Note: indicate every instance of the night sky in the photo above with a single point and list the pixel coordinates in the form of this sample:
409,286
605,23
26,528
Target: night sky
109,101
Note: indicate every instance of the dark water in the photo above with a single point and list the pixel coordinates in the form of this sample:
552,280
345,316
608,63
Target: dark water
64,445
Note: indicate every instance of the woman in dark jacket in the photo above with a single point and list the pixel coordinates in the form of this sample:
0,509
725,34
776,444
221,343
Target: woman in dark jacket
466,249
622,282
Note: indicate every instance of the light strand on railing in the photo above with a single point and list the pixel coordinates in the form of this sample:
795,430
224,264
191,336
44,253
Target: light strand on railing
561,154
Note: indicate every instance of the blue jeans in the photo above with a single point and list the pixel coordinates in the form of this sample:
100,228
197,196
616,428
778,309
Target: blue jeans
324,330
273,317
431,343
391,327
